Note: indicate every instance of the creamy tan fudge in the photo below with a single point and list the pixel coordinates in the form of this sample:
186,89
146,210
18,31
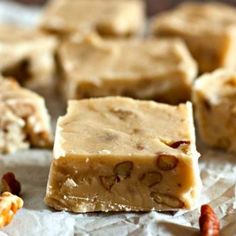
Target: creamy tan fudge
157,69
120,154
214,96
108,18
24,120
209,30
27,55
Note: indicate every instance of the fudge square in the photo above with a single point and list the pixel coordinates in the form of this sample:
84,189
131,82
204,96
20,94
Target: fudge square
209,30
24,120
120,154
27,55
214,97
108,18
157,69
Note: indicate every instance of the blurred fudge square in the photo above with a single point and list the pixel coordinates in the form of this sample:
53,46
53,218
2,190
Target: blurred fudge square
108,18
209,30
214,97
157,69
120,154
27,55
24,120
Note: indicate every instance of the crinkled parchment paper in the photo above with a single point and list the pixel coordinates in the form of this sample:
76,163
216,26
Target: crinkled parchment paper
218,173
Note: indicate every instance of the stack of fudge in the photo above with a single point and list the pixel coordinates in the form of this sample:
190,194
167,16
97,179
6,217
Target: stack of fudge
127,141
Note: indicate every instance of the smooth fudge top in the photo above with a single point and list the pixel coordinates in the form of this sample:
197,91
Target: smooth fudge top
197,18
119,17
93,58
119,126
219,85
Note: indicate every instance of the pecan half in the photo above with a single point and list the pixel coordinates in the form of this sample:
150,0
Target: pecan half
10,184
208,222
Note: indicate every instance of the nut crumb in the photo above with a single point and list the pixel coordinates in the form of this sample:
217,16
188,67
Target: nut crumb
179,143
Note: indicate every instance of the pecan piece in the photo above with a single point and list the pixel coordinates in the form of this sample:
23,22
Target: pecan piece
108,181
9,205
10,184
167,162
167,199
121,113
151,178
208,222
207,105
123,170
230,82
179,143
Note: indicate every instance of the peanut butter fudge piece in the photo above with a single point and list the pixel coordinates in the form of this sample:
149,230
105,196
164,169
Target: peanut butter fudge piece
27,55
24,120
120,154
209,30
157,69
108,18
214,96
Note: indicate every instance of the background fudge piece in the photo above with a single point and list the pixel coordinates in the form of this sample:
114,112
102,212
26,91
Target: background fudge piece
214,96
24,120
120,154
27,55
209,30
108,18
157,69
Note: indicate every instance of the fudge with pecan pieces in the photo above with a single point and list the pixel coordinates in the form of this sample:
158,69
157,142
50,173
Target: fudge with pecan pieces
120,154
24,120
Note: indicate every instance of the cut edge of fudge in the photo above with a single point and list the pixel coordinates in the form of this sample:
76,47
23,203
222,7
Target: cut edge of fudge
57,24
74,85
24,120
29,56
214,101
138,171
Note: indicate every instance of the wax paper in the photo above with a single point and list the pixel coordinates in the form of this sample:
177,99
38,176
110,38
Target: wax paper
31,167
